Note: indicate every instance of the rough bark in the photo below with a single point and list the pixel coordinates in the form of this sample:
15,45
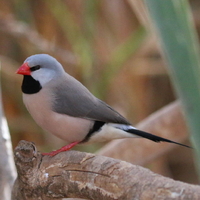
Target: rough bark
168,122
75,174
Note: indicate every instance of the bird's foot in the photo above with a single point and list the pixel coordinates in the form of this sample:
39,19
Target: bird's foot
65,148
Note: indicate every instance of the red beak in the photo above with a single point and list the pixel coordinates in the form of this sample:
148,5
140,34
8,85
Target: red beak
24,70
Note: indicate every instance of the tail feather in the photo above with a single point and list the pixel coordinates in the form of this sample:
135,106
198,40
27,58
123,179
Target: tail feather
152,137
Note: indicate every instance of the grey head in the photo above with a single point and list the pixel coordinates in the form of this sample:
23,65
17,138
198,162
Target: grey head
44,68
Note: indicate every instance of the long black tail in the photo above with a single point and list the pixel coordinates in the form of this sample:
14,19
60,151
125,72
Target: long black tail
152,137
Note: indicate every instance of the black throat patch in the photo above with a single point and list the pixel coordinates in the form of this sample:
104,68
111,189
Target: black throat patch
30,85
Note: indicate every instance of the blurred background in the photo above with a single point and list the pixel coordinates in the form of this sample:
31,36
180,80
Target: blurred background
104,45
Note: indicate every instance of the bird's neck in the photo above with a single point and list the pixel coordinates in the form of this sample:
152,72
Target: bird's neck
30,85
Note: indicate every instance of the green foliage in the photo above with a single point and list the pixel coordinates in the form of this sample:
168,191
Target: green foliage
174,24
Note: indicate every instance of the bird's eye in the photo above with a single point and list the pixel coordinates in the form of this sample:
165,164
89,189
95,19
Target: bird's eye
35,68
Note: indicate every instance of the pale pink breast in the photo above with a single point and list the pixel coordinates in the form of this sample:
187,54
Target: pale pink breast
63,126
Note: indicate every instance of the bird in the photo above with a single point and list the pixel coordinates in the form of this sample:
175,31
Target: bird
63,106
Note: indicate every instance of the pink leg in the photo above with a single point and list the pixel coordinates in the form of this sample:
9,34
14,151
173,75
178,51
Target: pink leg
65,148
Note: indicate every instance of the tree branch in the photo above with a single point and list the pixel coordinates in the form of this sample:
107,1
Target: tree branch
74,174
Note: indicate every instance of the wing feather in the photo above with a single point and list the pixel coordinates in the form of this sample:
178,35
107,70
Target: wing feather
74,99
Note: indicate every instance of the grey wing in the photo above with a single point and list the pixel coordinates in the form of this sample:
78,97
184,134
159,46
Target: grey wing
105,113
74,99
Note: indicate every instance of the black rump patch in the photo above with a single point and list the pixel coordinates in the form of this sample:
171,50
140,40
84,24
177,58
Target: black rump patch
96,127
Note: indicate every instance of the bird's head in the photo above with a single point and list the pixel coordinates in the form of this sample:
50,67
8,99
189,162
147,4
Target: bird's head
42,67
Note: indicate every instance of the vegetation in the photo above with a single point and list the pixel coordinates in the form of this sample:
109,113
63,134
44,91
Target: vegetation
104,44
